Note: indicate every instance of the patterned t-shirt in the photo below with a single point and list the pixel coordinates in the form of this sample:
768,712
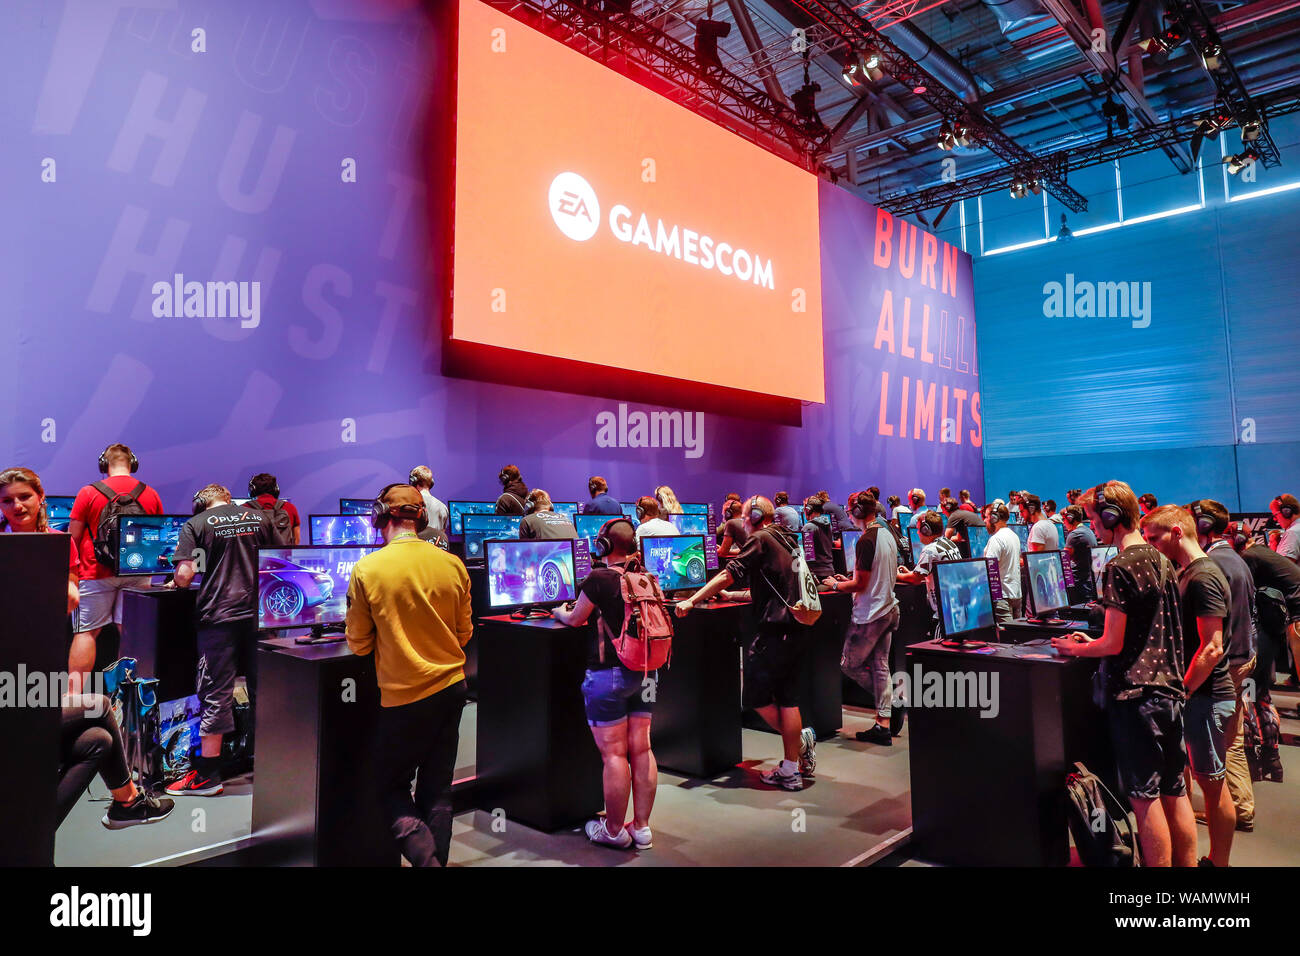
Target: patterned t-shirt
1142,582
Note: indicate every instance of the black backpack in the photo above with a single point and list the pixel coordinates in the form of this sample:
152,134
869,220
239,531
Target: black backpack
1104,832
106,535
281,522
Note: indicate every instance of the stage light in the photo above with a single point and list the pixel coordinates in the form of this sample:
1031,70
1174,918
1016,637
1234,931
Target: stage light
1064,234
1116,113
850,74
1163,42
1212,56
1250,132
946,140
805,106
871,58
961,134
1036,187
707,34
1019,190
1209,127
1242,160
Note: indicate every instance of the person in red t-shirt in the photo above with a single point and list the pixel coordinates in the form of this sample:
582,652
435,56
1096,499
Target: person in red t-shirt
265,490
101,590
22,509
966,504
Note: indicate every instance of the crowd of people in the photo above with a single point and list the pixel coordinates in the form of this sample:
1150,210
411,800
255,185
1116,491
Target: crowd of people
1198,616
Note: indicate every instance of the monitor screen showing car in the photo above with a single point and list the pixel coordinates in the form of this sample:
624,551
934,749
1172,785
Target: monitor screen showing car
530,572
303,587
679,561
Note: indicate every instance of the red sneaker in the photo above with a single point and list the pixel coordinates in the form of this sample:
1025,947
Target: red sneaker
192,785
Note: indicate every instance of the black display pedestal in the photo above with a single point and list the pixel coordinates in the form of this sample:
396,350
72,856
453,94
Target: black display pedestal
696,726
990,791
158,631
33,641
314,802
821,698
536,757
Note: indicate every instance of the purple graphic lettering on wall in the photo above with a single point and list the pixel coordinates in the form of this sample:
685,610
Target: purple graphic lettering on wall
233,272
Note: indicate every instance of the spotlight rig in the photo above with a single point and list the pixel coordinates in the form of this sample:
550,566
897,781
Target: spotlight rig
708,32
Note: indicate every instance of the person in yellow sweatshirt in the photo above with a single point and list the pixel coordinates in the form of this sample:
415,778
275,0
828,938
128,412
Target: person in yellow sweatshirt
408,604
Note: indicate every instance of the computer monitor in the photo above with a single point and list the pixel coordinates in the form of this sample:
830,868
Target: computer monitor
1046,582
1100,558
342,529
695,508
630,510
456,509
681,562
905,519
1060,534
146,543
978,539
965,601
523,573
566,508
355,506
691,523
914,542
58,511
1022,532
304,586
589,525
478,528
850,542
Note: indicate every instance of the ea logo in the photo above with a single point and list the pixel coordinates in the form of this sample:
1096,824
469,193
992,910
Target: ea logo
574,206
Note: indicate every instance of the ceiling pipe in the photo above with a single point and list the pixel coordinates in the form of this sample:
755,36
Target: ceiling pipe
935,60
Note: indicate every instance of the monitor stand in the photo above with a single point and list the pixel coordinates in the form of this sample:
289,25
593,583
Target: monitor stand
959,643
323,634
1047,621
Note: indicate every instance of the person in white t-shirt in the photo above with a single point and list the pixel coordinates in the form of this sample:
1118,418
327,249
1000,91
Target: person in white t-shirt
935,547
421,479
1042,532
1004,547
647,512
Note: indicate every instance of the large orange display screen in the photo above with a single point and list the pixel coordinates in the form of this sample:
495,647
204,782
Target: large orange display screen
597,221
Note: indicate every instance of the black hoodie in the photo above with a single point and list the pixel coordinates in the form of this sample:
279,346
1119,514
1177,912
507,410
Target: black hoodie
514,499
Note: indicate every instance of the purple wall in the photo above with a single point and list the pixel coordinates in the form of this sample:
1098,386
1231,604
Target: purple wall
225,165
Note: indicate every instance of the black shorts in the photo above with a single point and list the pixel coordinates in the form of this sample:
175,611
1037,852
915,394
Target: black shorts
224,651
1147,734
774,666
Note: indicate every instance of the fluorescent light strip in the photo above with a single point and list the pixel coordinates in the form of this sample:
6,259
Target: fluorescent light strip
1266,192
1108,226
1019,245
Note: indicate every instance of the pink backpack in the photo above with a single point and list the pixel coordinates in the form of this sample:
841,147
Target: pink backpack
646,642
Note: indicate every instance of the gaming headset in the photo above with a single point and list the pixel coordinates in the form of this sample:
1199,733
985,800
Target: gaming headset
1286,511
505,477
103,461
932,523
274,491
1206,523
198,501
1001,512
530,503
1109,513
602,546
858,510
755,511
411,479
381,514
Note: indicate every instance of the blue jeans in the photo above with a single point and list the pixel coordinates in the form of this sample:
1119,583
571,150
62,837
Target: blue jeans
865,659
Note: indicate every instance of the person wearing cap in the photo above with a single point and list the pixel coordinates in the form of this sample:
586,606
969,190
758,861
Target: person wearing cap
409,605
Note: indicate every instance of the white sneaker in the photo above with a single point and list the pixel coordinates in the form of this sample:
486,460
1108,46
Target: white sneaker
596,833
786,781
641,836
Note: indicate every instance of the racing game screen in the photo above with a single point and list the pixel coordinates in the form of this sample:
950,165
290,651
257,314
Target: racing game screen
680,562
302,587
530,572
354,506
478,528
690,523
146,543
456,510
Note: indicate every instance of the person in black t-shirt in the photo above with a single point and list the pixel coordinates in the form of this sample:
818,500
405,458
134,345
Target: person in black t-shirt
514,493
1207,615
773,661
819,527
1079,542
221,541
733,532
1142,668
959,524
619,701
835,511
1241,646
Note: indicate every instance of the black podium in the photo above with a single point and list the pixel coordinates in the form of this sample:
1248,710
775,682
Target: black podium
536,757
158,631
314,803
33,641
990,791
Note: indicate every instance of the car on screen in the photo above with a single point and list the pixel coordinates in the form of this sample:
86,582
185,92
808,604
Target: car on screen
552,581
285,588
690,564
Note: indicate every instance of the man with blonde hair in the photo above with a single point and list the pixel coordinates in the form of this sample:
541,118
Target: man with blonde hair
1141,671
421,479
1207,616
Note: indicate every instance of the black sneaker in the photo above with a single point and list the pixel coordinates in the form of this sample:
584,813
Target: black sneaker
876,735
145,808
1204,861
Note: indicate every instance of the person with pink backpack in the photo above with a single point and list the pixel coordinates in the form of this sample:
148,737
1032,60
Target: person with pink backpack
631,639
